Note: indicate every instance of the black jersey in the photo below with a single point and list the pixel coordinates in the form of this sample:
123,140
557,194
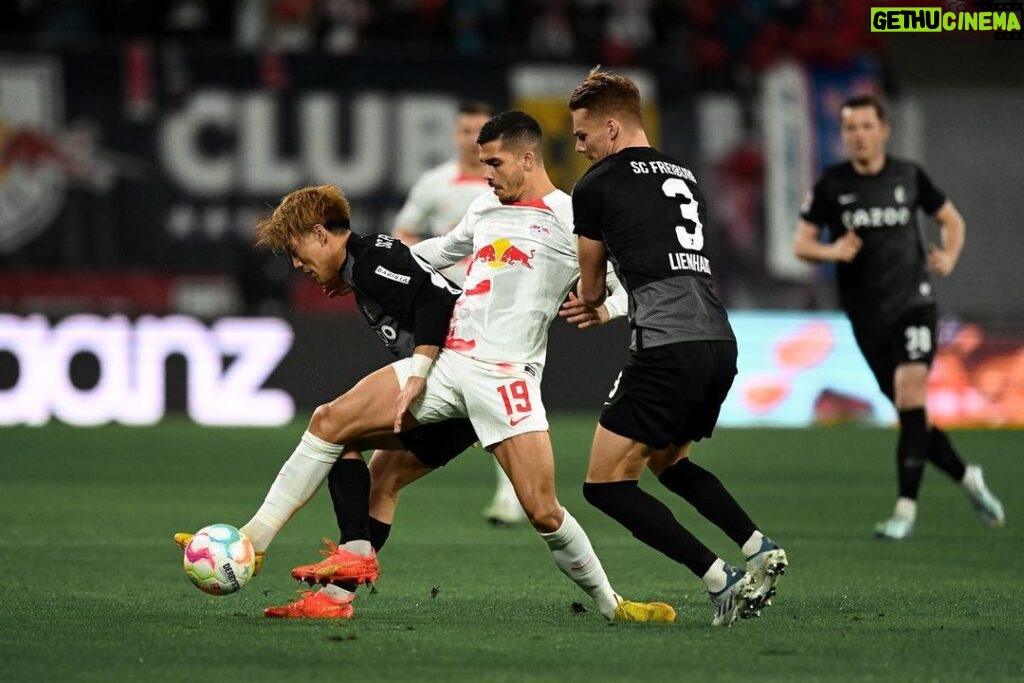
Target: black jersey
889,276
405,300
649,212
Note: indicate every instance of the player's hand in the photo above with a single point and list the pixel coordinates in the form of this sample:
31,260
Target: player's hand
337,288
941,261
583,316
847,246
414,386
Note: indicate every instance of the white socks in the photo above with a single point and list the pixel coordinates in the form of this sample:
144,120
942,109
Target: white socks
753,544
336,593
574,555
359,548
299,478
906,508
715,577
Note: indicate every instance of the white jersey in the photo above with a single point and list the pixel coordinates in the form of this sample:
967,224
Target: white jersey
438,200
523,266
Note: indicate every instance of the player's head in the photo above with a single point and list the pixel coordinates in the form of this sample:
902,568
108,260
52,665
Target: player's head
471,117
864,127
307,225
604,107
510,146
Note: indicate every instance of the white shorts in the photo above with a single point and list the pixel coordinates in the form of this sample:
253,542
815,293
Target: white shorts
500,399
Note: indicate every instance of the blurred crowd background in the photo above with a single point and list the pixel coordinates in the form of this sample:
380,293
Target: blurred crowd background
140,141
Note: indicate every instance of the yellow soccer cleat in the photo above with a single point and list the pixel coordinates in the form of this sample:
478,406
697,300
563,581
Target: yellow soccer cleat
656,612
183,537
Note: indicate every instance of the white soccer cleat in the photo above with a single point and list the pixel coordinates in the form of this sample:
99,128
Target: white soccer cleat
504,511
733,599
895,529
988,507
764,567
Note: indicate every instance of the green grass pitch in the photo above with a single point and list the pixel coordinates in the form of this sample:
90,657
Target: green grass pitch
93,588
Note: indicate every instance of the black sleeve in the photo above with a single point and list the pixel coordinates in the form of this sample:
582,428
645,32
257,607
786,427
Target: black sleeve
587,208
815,208
929,197
392,276
432,315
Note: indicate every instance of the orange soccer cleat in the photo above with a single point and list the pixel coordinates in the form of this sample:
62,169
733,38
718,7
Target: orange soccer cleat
312,605
338,566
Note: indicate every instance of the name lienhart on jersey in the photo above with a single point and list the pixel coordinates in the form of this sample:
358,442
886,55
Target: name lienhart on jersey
691,262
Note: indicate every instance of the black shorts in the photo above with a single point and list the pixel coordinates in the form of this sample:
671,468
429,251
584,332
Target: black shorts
911,339
437,443
671,394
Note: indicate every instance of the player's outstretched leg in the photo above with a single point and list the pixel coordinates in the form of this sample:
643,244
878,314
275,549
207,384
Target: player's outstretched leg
766,561
651,522
574,555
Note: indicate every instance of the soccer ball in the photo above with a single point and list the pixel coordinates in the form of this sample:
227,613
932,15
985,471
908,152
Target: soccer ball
219,559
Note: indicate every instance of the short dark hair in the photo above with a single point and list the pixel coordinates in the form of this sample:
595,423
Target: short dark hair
858,101
516,129
475,107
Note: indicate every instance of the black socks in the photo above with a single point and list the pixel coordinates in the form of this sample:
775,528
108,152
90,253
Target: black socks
650,521
705,492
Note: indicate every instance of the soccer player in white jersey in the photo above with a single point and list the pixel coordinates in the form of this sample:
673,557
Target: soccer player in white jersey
436,203
490,368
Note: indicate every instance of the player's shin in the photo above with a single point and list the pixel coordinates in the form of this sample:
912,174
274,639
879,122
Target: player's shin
299,478
706,493
349,482
575,556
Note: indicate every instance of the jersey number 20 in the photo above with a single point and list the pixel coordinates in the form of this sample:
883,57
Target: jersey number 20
694,241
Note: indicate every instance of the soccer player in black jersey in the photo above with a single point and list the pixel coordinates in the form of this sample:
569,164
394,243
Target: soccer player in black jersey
408,304
644,212
869,205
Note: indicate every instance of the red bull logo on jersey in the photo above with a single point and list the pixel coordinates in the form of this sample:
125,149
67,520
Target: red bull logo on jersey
501,253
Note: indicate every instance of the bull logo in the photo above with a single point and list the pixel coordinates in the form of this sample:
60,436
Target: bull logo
501,253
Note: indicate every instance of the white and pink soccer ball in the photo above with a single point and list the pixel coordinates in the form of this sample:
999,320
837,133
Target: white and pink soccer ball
219,559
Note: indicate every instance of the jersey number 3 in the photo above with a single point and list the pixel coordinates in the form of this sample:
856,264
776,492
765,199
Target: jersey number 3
694,241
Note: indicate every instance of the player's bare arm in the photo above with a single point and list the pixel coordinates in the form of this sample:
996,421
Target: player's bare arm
423,358
583,316
808,246
593,267
942,260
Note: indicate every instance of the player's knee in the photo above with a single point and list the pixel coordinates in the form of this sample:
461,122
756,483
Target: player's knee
545,517
609,497
321,422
